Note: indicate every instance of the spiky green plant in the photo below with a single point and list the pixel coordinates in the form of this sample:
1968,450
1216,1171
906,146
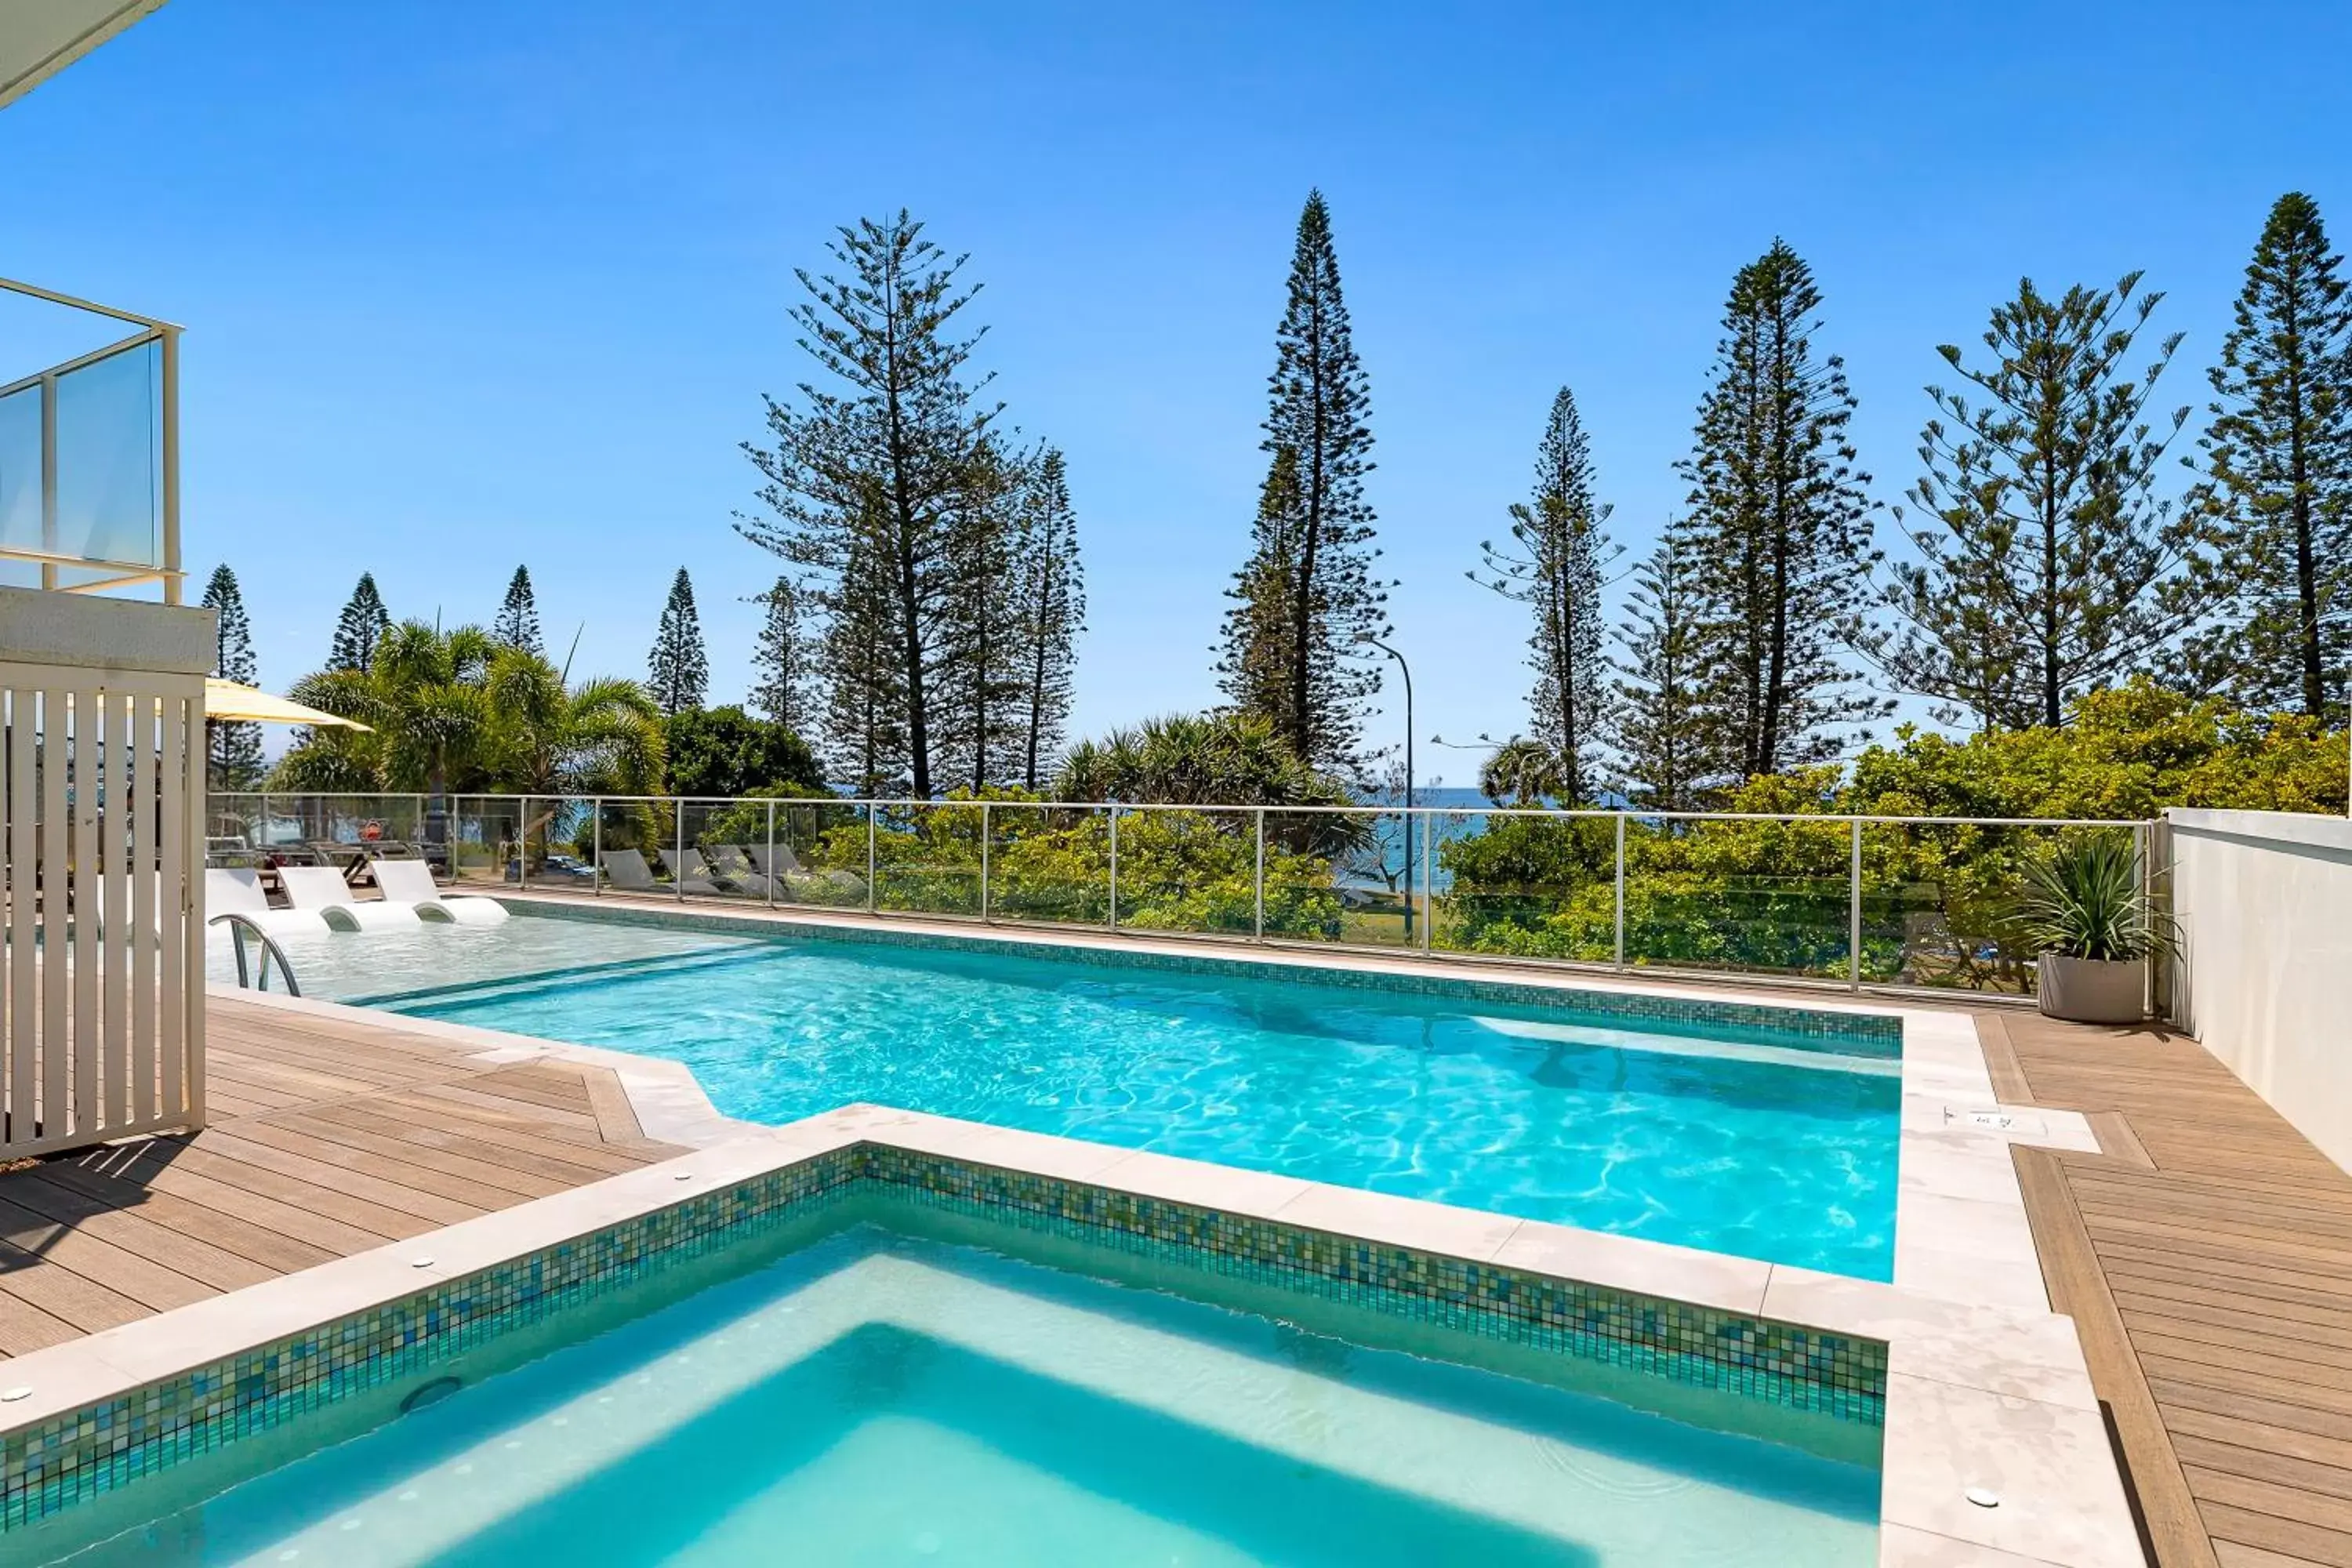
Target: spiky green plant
2084,900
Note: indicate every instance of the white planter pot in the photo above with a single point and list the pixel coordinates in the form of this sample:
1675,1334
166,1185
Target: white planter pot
2093,989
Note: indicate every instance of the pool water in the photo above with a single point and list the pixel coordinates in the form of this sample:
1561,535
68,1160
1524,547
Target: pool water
1768,1145
874,1399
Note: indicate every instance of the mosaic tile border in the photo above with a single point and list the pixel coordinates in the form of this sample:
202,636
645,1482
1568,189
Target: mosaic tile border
48,1465
1878,1034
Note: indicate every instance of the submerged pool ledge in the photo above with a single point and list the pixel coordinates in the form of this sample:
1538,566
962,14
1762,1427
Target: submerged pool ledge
1969,1396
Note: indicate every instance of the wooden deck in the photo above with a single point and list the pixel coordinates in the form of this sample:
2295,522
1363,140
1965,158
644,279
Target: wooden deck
327,1139
2206,1257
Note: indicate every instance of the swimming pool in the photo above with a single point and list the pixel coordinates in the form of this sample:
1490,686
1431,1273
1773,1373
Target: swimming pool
880,1395
1707,1129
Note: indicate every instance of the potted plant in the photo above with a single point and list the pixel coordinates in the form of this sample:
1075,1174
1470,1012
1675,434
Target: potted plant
2084,915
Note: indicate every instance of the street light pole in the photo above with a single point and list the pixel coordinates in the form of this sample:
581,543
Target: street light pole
1406,670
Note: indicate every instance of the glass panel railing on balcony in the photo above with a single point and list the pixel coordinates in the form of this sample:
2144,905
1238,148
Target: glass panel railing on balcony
927,859
20,483
484,838
1525,884
1048,863
1192,868
1765,896
1923,903
110,458
1343,877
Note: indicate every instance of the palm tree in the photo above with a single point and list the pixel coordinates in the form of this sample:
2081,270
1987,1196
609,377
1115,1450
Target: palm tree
1188,759
423,699
457,710
545,738
1524,771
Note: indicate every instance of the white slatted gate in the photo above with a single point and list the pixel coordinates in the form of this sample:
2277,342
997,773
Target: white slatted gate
101,991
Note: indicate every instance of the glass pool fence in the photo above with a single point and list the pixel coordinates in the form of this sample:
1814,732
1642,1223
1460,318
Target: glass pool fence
1865,902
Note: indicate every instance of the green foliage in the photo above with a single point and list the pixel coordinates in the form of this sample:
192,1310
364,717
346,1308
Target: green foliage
2277,506
1306,598
1187,759
456,710
2048,567
1775,533
2128,752
720,751
2083,900
232,747
677,669
517,625
1561,558
1939,902
360,629
1177,870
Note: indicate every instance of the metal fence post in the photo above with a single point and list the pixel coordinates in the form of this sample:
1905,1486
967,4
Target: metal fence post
261,839
1854,912
1428,884
677,865
1114,867
983,859
1620,959
596,846
2146,861
872,903
1258,926
522,845
768,868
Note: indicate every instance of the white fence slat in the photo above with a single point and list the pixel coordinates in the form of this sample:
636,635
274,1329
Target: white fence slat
148,880
185,827
56,1048
24,925
113,751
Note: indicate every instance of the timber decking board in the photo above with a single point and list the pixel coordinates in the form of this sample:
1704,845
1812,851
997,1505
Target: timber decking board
327,1137
2206,1257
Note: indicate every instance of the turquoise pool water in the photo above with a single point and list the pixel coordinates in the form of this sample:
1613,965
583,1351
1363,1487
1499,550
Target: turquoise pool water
1770,1145
873,1399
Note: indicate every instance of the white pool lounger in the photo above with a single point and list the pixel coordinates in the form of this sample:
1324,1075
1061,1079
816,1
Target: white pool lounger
410,882
321,890
237,892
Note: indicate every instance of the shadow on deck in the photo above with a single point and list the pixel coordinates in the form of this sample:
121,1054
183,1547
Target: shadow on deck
327,1138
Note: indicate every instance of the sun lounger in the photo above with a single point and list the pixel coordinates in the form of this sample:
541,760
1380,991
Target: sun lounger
237,892
729,865
411,882
323,889
797,884
627,871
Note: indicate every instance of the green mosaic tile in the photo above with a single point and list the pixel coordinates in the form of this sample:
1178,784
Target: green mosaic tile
51,1465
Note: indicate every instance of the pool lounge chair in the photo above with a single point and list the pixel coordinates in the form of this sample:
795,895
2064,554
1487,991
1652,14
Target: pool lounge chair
796,884
627,872
322,888
731,867
411,882
237,892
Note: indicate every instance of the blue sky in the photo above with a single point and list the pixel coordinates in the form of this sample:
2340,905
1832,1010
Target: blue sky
469,286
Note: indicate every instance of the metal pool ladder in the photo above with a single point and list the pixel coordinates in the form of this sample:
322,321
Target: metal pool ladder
257,977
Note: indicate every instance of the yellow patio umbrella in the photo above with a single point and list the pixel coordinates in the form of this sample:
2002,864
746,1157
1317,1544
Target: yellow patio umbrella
228,700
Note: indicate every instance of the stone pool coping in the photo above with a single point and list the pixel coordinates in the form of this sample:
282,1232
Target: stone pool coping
1961,1228
1977,1396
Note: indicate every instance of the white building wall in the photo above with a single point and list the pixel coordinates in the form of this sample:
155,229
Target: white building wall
2265,901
